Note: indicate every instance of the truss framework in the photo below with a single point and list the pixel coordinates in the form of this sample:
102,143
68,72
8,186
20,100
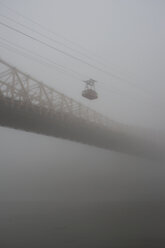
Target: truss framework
20,94
18,86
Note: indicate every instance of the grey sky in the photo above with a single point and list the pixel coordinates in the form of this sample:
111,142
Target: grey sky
127,35
37,168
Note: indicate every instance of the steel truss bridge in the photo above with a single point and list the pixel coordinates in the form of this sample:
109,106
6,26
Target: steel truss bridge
27,104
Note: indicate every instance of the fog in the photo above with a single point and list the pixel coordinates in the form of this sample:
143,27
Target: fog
126,36
40,168
126,39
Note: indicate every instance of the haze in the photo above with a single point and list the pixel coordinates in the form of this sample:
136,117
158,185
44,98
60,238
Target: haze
126,39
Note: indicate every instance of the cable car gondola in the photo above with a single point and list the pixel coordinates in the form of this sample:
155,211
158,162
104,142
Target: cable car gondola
89,91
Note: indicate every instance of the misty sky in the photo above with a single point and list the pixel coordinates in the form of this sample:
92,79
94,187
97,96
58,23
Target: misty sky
41,168
125,38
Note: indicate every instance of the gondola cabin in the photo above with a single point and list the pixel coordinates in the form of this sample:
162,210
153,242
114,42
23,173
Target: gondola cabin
89,92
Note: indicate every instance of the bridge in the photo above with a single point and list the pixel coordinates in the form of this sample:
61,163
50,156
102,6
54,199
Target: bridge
30,105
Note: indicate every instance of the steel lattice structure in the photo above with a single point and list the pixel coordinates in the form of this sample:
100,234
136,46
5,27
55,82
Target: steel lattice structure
27,104
23,88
